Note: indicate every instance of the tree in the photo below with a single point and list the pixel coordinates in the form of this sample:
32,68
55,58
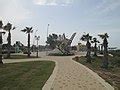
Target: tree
51,41
87,38
28,30
1,27
95,41
105,51
8,27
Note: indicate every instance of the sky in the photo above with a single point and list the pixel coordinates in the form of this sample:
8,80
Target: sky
64,16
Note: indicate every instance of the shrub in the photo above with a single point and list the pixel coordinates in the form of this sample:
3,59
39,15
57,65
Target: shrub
115,61
60,54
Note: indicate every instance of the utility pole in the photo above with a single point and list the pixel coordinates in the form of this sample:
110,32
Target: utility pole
47,36
37,38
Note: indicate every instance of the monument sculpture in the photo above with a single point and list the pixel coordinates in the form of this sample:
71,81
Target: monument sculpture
64,44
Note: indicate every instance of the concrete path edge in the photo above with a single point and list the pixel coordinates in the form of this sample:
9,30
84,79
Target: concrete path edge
49,83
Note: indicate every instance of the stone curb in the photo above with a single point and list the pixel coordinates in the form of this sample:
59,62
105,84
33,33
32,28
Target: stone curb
49,83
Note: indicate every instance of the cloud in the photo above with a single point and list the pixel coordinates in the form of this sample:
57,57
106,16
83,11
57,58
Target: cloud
108,5
53,2
13,11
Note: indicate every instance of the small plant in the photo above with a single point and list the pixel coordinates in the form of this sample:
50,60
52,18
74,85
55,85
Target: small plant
60,54
115,61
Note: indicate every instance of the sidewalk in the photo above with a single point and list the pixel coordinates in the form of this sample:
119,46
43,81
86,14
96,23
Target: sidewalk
71,75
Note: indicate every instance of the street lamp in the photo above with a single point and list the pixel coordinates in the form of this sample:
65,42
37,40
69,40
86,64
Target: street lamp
37,38
33,48
34,37
48,29
1,32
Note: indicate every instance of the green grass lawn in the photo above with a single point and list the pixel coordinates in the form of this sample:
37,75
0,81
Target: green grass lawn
19,57
111,75
25,75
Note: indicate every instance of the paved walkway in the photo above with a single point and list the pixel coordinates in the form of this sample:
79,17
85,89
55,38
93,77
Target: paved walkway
70,75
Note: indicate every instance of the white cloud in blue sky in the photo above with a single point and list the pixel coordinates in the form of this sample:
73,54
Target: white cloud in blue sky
13,11
53,2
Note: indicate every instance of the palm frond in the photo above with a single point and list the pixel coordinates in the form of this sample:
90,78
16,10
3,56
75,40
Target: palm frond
31,31
86,37
94,40
106,35
31,28
83,38
27,28
7,27
90,37
14,28
24,30
103,35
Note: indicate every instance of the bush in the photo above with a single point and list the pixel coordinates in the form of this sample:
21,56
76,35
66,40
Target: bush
60,54
115,52
115,61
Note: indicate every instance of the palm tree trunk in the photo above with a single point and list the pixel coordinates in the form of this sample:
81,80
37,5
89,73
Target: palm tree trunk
28,44
88,52
102,48
95,50
105,59
1,48
9,44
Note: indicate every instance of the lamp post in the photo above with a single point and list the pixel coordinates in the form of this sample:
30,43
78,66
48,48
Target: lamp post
47,36
33,47
1,32
37,38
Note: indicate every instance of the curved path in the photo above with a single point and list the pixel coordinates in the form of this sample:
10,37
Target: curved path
70,75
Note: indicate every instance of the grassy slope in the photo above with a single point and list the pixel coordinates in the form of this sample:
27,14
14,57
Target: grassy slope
111,75
25,76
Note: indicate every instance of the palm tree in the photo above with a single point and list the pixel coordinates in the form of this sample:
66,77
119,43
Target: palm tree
105,52
95,46
87,38
1,27
28,30
8,28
